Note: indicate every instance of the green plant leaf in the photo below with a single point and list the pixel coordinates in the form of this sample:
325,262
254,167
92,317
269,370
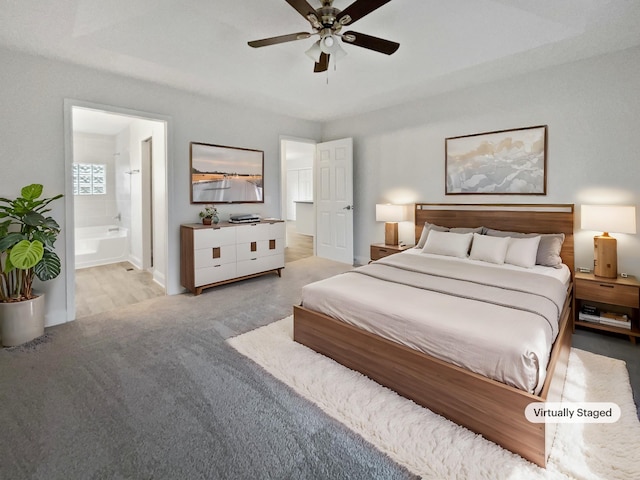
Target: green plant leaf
49,267
49,222
8,266
10,240
25,254
4,229
47,238
33,219
31,192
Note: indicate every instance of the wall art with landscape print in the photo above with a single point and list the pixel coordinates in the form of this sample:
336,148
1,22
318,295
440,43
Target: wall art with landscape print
226,174
505,162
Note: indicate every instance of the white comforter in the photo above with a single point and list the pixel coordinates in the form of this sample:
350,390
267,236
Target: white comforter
498,322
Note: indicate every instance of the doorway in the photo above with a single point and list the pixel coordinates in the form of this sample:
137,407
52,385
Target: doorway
116,169
297,203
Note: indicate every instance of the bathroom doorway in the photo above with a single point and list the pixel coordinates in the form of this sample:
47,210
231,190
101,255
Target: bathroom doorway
117,172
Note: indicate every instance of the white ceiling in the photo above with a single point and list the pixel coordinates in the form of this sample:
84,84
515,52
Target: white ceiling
202,45
94,121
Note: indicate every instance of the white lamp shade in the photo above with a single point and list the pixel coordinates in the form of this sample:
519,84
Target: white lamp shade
391,213
314,52
609,218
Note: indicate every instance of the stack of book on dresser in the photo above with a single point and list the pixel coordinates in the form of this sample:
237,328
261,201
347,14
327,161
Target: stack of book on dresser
589,313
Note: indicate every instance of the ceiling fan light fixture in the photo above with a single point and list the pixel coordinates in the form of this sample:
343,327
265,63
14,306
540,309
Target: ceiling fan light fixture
328,44
314,52
338,53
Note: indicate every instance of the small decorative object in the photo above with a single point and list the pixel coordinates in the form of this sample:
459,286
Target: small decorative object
506,162
27,236
209,215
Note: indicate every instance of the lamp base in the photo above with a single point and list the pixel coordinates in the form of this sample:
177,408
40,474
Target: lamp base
391,233
605,256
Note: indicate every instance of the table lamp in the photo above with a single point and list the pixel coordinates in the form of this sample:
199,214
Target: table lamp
391,214
607,218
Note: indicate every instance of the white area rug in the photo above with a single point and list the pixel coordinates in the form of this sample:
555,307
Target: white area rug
435,448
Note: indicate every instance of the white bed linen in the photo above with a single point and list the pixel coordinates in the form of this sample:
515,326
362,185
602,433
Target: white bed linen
563,273
461,331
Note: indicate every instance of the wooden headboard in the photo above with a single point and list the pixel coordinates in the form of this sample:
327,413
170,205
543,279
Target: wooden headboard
525,218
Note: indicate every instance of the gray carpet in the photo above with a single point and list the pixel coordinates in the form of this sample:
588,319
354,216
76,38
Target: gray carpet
153,391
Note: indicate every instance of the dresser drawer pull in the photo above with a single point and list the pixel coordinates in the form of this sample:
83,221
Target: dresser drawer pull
383,250
606,286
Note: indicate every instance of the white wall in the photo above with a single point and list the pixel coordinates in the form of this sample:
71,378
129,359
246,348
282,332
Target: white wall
591,109
92,210
32,142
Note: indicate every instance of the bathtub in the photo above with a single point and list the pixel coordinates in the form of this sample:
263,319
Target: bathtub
101,245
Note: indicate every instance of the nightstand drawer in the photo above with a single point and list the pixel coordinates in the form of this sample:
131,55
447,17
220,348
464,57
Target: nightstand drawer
380,252
595,291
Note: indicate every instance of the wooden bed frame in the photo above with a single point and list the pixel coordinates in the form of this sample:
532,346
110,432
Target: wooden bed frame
485,406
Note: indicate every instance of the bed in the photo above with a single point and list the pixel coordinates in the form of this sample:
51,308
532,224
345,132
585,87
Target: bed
439,375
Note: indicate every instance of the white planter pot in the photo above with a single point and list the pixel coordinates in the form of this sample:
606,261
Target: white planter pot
21,322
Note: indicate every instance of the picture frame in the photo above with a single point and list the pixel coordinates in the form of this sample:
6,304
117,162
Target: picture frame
502,162
221,174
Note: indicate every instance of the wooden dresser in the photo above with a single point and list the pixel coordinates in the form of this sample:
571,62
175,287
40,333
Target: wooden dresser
212,255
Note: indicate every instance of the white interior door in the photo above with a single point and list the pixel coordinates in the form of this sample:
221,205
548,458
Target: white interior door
334,200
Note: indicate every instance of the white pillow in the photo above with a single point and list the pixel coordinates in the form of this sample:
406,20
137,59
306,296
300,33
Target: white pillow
489,249
447,243
425,233
523,251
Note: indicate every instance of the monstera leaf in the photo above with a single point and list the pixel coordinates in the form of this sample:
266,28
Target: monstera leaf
25,254
49,267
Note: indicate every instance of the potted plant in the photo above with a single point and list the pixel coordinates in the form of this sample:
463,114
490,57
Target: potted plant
27,238
209,215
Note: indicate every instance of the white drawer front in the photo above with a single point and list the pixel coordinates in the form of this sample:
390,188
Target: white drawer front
263,248
275,246
249,251
208,257
261,264
210,237
277,230
252,233
205,276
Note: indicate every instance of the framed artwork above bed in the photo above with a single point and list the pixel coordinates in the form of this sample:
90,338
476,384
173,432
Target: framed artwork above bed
504,162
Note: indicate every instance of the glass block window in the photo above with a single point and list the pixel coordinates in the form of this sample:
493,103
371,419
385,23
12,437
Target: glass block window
89,179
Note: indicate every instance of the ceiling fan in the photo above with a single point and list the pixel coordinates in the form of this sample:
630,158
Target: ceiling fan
327,22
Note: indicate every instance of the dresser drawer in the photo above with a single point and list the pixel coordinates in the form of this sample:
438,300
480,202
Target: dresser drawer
218,273
260,264
624,295
213,237
209,257
252,232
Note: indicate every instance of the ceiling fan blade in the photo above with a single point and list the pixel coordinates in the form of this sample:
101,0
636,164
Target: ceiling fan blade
359,9
303,8
323,64
372,43
281,39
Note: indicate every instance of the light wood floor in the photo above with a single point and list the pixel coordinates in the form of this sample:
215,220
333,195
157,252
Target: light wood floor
298,246
103,288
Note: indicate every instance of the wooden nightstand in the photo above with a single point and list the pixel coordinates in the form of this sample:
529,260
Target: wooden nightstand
617,295
380,250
